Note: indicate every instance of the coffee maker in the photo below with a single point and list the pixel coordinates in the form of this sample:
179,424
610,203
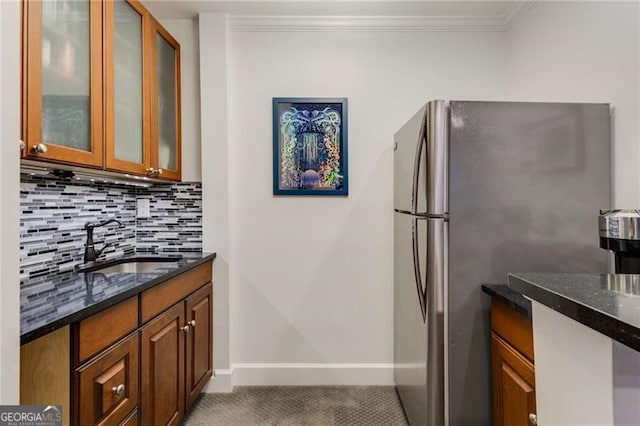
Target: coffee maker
620,233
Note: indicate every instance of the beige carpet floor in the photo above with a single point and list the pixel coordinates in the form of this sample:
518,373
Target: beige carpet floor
298,406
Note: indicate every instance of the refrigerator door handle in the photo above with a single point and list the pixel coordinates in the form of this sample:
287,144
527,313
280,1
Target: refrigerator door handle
417,165
421,289
437,158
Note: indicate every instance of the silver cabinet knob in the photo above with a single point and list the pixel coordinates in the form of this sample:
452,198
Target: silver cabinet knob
118,390
533,419
192,323
159,172
186,328
39,148
150,171
22,144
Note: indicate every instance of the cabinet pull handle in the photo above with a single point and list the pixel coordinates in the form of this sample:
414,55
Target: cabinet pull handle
192,323
39,148
150,171
186,328
159,172
533,419
118,390
22,144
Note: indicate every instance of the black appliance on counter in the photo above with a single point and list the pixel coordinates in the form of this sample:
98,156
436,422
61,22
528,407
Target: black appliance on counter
620,233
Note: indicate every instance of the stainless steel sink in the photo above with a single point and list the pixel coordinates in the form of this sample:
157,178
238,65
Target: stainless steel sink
133,265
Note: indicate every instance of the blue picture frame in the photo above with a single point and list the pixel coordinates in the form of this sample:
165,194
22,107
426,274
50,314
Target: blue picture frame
310,146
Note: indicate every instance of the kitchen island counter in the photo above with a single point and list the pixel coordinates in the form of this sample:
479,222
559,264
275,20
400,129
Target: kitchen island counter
586,330
607,303
510,297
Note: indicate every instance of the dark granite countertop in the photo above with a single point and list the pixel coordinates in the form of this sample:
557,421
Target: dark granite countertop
509,296
51,302
607,303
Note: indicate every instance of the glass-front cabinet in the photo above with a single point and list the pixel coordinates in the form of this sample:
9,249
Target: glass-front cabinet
62,87
127,83
101,87
165,103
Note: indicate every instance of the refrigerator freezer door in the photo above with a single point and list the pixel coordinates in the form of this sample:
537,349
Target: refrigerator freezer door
409,156
420,162
526,183
419,330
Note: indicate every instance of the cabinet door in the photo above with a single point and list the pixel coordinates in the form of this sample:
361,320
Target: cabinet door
107,388
127,86
63,81
163,368
165,103
514,399
199,342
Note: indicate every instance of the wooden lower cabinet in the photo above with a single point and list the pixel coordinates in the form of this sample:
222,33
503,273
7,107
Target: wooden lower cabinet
163,368
199,360
142,361
513,386
513,372
108,385
176,358
132,420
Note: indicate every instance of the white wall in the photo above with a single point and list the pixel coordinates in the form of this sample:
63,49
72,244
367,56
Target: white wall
9,196
311,282
585,52
215,183
186,32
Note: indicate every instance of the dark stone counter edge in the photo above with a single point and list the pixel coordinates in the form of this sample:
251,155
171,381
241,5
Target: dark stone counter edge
92,310
510,297
609,326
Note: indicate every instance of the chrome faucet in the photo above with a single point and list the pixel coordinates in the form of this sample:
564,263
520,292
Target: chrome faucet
90,253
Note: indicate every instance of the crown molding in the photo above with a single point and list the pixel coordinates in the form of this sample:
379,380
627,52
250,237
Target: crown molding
363,23
517,10
260,23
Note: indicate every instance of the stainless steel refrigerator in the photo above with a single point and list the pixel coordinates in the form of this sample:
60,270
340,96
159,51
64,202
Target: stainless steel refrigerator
482,189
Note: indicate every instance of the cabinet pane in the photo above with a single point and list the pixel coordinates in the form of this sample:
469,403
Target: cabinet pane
65,73
128,82
166,64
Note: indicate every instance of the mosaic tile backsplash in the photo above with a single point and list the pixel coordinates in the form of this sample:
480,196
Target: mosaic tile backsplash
53,214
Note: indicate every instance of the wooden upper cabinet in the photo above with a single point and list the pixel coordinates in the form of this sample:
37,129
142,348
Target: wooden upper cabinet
126,86
101,87
165,103
62,56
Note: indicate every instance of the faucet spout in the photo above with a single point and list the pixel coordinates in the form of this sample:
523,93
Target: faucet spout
90,253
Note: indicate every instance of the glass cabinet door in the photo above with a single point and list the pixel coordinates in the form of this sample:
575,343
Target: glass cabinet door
126,114
63,80
165,104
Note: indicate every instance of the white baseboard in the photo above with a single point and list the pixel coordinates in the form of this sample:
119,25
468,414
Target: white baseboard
302,374
220,382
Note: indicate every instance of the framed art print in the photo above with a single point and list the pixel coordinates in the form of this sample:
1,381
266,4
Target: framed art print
310,146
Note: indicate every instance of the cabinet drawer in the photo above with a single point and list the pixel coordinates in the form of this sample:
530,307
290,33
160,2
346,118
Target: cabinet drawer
132,420
105,328
162,296
513,327
107,388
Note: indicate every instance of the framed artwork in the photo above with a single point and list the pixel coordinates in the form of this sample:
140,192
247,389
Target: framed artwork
310,146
